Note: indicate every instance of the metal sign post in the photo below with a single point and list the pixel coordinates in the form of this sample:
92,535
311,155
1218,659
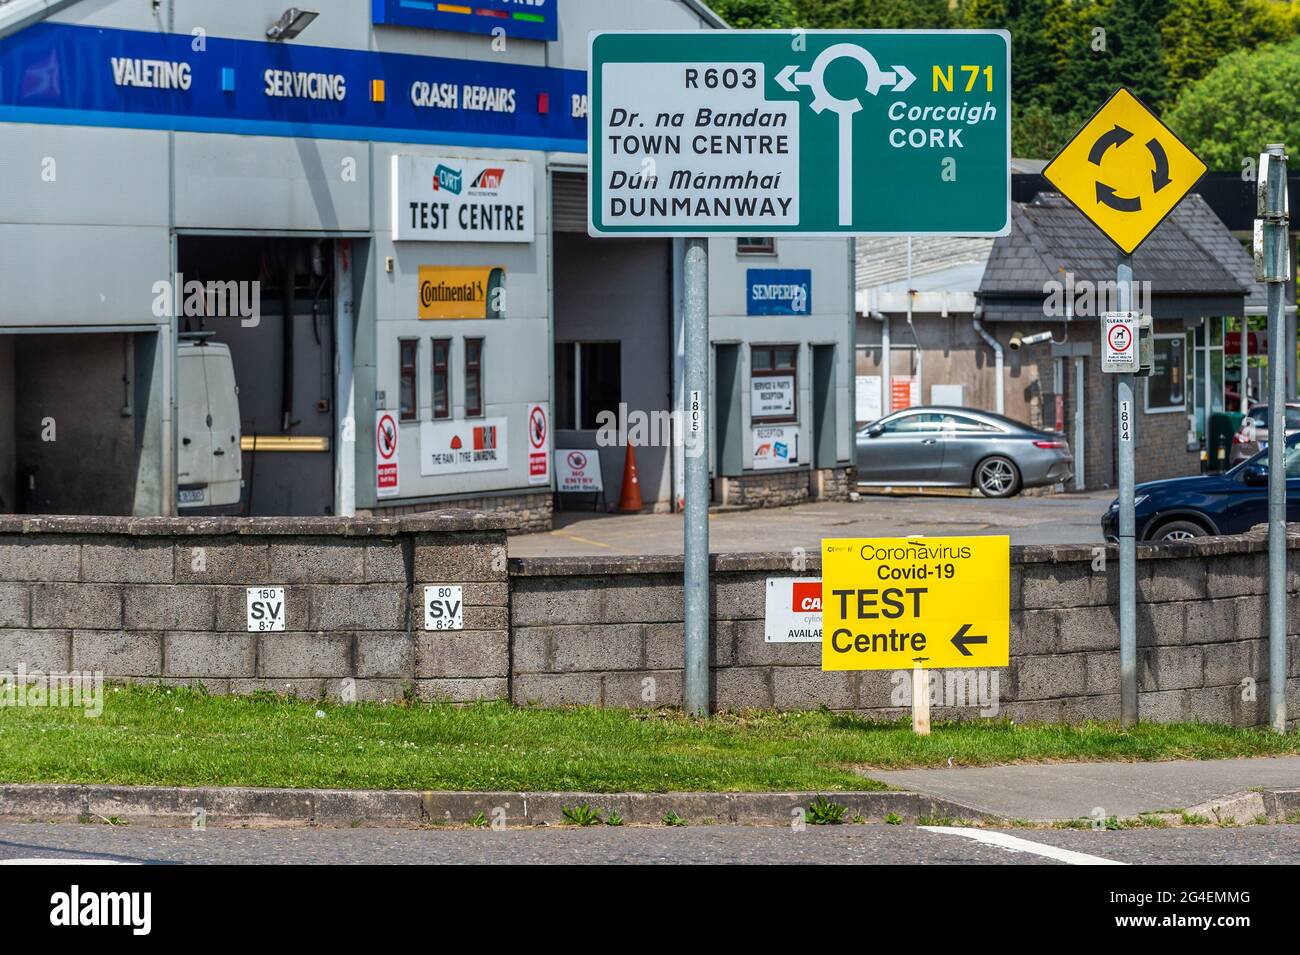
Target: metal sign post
1273,266
949,607
1126,171
1126,426
756,133
696,608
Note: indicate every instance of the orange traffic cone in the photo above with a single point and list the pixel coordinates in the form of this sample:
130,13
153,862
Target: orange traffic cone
629,501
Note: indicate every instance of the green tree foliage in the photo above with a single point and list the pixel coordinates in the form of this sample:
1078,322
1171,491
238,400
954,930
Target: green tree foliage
1068,56
756,14
1033,61
835,14
874,14
1039,132
1197,33
1134,53
1247,101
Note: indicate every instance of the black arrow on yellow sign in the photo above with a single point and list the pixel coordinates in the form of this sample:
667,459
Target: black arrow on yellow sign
1113,137
960,640
1159,177
1106,196
1118,136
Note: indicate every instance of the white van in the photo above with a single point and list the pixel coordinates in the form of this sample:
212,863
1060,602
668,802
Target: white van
208,459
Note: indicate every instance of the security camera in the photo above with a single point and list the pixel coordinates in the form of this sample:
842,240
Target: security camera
1019,340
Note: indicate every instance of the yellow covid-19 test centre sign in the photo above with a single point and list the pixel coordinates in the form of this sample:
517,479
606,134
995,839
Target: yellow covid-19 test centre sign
889,603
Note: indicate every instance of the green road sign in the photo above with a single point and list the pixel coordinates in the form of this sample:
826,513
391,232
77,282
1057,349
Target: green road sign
810,132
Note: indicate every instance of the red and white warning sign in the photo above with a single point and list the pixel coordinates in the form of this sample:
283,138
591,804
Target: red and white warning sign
539,443
385,454
578,472
1119,352
793,611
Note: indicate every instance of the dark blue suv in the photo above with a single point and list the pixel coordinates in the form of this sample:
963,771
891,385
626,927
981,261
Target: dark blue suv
1228,503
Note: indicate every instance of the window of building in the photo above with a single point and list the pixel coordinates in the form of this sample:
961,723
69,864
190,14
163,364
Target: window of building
773,385
442,377
1166,387
1203,363
752,245
473,377
588,380
407,396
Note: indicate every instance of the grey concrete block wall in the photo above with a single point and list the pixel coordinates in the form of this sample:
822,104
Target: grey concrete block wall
608,631
161,599
760,489
526,513
165,600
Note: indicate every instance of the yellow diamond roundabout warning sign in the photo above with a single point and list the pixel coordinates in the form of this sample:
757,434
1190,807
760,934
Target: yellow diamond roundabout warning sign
891,603
1125,170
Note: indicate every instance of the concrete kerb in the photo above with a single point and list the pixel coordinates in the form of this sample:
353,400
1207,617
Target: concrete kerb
443,521
1243,808
247,807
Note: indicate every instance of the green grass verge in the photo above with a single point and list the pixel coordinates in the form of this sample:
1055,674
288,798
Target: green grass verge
182,737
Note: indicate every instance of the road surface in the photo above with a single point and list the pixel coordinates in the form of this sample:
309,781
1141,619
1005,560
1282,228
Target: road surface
876,844
1076,790
1052,519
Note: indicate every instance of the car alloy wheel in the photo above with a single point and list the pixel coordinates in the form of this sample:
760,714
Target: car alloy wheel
997,477
1179,530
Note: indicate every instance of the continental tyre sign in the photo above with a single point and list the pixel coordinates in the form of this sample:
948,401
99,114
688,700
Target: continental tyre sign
461,292
442,199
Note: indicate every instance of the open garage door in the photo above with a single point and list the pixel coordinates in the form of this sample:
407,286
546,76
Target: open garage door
283,359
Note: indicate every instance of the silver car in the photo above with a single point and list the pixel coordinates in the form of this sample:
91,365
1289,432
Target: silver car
1252,436
960,447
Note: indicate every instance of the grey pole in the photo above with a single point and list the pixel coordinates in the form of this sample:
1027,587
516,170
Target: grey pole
696,680
1126,424
1276,263
1276,512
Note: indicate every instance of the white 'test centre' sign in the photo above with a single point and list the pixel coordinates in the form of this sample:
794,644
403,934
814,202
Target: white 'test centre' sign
449,199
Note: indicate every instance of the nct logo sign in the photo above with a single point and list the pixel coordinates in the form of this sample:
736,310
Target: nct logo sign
489,179
446,178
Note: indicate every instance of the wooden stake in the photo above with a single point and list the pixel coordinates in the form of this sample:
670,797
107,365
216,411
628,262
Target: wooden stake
920,700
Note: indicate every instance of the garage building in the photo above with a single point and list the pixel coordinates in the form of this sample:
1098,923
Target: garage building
378,213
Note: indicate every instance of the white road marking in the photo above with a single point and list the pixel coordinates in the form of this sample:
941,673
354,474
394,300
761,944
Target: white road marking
1015,844
62,861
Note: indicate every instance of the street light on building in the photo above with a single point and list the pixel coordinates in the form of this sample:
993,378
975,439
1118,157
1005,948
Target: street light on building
1019,341
291,23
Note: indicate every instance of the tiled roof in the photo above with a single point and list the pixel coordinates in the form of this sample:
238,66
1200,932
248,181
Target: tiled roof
1049,238
1199,221
882,259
